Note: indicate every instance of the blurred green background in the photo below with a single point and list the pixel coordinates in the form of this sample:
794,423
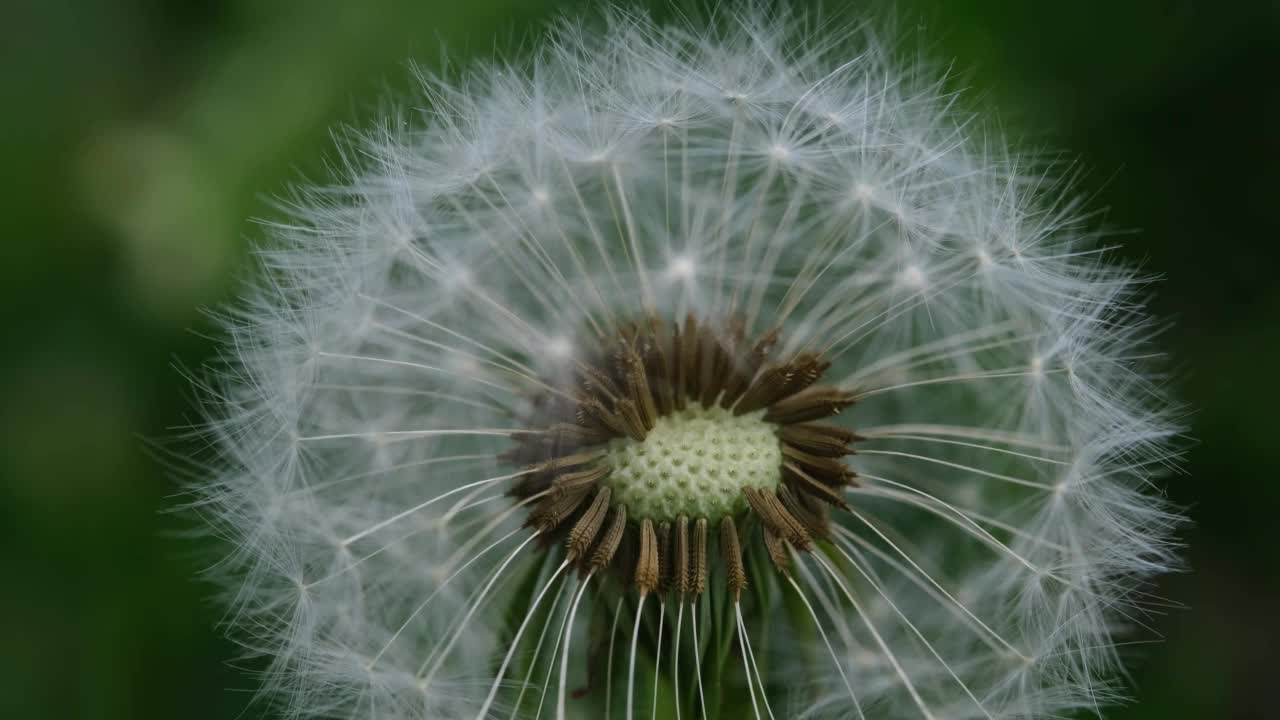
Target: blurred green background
139,137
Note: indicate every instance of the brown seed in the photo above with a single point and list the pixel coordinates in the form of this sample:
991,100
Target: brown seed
624,560
526,451
812,514
597,384
553,511
556,464
818,439
747,368
563,437
647,567
691,356
531,484
609,542
678,369
580,481
732,552
638,389
761,392
777,549
698,565
592,413
631,420
681,568
775,515
829,470
588,526
658,365
764,346
812,404
807,369
715,366
797,478
664,557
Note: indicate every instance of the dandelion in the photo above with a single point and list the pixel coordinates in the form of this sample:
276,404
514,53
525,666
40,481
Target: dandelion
719,369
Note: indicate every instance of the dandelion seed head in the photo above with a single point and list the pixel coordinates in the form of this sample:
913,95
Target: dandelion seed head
734,333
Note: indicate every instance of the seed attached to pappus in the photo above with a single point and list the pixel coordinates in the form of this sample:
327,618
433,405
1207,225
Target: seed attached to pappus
665,427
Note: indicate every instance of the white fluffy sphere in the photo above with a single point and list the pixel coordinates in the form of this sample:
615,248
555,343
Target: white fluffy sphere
786,173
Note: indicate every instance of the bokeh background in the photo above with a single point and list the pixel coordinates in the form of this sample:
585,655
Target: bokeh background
139,138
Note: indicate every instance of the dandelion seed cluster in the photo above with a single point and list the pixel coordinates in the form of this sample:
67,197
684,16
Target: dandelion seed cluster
718,368
670,474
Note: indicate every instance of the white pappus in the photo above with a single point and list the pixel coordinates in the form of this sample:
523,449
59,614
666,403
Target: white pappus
718,368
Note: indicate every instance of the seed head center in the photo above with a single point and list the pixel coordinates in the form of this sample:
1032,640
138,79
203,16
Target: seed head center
694,462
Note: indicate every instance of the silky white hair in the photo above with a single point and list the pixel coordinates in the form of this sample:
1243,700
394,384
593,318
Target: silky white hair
763,162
